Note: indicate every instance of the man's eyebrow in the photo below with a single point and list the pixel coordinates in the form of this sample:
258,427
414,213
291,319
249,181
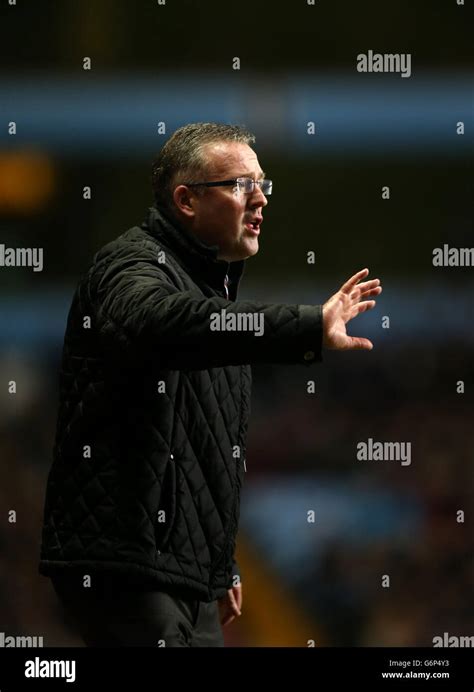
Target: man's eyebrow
250,174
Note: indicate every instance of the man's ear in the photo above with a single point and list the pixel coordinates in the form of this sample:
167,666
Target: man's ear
185,201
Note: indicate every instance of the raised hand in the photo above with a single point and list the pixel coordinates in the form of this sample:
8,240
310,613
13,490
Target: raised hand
348,302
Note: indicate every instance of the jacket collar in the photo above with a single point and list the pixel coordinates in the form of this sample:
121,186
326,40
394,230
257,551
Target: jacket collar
199,258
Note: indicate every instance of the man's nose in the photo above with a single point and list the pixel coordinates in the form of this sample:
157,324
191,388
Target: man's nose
257,198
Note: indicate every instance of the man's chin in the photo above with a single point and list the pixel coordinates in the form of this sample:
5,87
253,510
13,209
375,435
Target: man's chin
249,250
245,250
251,247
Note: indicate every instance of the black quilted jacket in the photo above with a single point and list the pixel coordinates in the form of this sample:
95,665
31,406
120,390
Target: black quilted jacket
150,446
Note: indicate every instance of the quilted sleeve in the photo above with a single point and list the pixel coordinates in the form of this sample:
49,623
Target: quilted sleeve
236,576
142,313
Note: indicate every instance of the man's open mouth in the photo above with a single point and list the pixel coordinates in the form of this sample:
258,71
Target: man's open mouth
253,225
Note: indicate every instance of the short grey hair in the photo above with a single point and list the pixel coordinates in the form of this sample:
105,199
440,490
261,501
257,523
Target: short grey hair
182,159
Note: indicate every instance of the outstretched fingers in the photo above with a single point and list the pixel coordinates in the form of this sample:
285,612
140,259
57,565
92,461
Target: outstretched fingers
375,291
364,288
350,283
361,307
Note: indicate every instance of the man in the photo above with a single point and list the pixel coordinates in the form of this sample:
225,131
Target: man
143,496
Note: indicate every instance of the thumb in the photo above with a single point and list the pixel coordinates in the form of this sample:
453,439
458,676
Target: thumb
357,343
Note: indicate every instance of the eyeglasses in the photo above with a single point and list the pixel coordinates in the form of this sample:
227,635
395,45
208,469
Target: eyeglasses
246,185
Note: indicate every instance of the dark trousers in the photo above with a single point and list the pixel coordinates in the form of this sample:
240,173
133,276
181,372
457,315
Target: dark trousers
117,616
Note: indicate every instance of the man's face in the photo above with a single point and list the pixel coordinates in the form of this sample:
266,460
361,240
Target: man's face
224,216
